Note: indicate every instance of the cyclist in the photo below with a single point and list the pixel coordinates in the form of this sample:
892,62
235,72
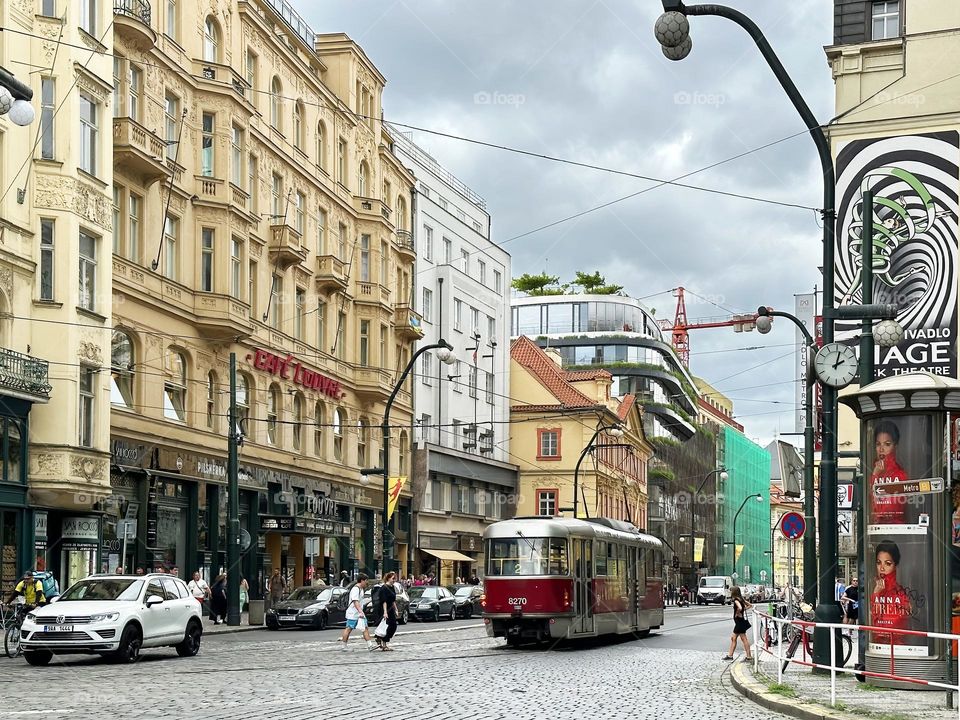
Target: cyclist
30,590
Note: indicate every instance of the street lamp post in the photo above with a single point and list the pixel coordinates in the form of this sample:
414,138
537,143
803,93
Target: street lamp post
615,431
764,324
15,99
445,354
759,498
723,474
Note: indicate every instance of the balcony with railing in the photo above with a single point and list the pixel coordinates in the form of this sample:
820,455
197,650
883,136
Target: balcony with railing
138,151
407,322
331,274
405,243
222,314
372,384
131,21
373,293
24,377
211,191
286,248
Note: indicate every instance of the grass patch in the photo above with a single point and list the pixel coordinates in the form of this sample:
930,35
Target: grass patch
781,690
871,688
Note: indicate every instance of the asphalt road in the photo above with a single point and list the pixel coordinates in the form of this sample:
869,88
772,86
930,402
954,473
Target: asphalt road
438,670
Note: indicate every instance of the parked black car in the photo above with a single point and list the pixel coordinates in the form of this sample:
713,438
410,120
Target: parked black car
403,604
430,602
467,599
309,607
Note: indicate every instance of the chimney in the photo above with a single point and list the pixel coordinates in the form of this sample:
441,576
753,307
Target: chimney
554,355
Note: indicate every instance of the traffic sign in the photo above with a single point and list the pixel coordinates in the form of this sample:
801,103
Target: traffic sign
127,529
792,525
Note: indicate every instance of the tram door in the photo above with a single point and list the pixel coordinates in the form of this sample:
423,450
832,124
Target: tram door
633,588
583,585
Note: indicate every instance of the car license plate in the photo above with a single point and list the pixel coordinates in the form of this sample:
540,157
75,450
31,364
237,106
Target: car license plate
58,628
287,618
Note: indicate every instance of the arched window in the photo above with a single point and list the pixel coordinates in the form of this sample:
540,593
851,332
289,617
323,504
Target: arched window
243,404
211,40
212,400
401,213
273,415
175,387
363,432
338,435
121,370
319,419
321,146
298,125
276,103
402,464
297,421
362,179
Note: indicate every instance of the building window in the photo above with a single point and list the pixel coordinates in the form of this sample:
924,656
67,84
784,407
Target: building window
364,343
206,151
211,40
250,73
465,261
298,125
447,251
121,370
497,281
401,213
172,24
276,192
88,272
48,8
87,403
322,325
547,502
253,183
243,403
88,134
457,314
363,433
491,329
341,160
321,231
321,146
206,259
365,258
427,308
211,400
341,336
175,388
236,268
254,280
384,333
426,368
171,112
297,422
443,204
48,108
428,243
300,306
886,19
134,83
489,388
338,435
477,226
473,381
341,241
276,104
134,205
300,202
319,418
236,156
457,385
402,450
482,272
46,258
273,415
548,444
384,262
362,179
88,16
171,241
276,293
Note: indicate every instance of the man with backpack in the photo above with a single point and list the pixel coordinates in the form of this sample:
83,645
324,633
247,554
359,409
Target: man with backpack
51,588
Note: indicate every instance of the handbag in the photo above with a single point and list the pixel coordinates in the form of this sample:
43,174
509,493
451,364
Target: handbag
381,630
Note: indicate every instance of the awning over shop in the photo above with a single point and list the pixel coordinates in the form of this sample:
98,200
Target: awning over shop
448,555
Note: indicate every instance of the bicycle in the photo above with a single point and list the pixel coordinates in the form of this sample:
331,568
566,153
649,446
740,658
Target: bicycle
11,635
797,634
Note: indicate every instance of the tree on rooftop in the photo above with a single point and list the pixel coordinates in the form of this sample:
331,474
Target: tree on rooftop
596,284
538,285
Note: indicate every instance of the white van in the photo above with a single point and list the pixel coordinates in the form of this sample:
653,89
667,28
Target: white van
714,589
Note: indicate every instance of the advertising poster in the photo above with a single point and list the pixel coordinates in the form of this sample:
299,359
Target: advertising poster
914,219
899,554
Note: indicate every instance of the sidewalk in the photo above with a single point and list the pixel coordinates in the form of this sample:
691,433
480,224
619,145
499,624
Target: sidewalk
210,629
805,695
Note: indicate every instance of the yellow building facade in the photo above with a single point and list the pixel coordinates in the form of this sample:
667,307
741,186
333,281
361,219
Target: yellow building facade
258,210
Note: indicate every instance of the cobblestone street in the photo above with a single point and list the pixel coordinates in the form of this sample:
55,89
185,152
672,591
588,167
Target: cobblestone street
443,671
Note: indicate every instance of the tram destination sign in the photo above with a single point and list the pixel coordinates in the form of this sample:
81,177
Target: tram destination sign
925,486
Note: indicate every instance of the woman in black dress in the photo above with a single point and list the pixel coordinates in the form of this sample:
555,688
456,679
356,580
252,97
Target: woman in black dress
218,600
740,624
388,603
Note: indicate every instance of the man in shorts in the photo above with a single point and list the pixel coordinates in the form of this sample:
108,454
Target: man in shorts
851,602
356,620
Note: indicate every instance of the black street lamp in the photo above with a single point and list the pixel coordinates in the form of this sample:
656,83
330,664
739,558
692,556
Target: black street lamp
759,498
445,354
15,99
615,431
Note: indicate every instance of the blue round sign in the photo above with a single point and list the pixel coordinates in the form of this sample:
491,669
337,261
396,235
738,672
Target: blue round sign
792,525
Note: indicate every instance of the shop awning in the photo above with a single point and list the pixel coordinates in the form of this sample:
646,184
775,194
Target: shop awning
448,555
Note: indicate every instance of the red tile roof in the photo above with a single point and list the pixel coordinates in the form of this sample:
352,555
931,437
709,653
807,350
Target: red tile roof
582,375
625,404
526,352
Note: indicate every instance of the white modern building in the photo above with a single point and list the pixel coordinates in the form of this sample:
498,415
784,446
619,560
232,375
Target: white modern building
463,477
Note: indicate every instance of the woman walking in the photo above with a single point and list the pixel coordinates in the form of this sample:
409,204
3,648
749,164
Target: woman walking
388,603
218,599
740,624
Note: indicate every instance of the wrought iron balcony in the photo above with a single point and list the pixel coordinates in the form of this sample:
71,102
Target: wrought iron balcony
24,376
132,22
405,242
137,9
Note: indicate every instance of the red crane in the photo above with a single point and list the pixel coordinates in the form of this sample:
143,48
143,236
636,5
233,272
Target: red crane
680,326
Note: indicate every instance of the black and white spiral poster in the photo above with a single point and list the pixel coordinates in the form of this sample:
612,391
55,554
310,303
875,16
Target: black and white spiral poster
915,180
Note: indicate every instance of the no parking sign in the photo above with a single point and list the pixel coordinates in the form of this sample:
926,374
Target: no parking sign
792,525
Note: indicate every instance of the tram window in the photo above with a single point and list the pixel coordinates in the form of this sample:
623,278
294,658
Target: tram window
527,556
602,558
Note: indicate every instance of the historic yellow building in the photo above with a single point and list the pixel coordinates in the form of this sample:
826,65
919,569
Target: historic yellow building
554,417
258,210
55,290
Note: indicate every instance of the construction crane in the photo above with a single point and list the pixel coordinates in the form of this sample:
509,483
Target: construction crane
680,327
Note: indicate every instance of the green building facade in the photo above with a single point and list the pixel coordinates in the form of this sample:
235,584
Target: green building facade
748,468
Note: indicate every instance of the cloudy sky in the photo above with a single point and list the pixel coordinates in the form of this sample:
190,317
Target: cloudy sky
586,81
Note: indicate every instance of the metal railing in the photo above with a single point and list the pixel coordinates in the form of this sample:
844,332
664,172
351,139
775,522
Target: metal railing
405,239
137,9
24,373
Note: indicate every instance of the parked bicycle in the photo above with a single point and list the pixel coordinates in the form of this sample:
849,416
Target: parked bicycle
12,620
796,634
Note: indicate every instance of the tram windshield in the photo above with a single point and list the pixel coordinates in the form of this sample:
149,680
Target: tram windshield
527,556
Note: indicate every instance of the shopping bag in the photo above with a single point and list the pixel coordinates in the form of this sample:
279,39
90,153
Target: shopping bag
381,630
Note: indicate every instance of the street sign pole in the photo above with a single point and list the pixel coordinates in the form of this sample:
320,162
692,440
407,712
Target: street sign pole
123,558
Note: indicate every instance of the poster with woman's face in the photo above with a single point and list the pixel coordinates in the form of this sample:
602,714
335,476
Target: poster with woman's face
898,567
898,449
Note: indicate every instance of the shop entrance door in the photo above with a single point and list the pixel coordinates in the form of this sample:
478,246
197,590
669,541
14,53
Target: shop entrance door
8,551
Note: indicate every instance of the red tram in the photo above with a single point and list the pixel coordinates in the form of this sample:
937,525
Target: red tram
564,578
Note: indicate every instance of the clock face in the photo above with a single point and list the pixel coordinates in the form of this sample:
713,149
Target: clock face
836,365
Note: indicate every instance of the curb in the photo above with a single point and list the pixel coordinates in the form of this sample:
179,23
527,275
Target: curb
249,628
751,689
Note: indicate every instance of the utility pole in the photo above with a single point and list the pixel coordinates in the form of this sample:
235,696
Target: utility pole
233,498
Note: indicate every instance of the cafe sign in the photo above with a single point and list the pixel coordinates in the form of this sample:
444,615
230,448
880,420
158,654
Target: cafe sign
289,368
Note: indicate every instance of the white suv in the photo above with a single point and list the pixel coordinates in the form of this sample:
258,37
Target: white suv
115,616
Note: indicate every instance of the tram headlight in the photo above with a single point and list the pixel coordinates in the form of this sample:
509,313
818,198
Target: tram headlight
483,600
